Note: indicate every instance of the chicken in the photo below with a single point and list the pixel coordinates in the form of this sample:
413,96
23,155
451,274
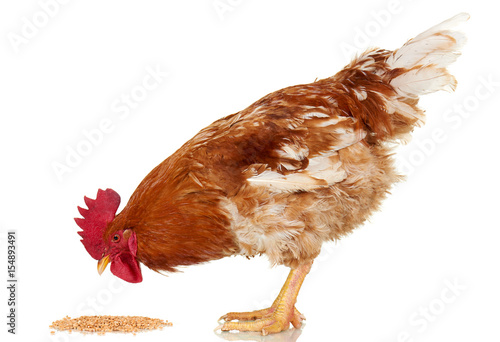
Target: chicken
301,166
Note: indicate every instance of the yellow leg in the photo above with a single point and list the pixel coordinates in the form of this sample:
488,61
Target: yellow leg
279,316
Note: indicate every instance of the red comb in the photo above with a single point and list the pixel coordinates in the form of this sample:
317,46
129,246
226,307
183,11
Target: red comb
100,212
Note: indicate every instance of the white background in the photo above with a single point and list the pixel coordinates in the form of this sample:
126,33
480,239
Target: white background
73,68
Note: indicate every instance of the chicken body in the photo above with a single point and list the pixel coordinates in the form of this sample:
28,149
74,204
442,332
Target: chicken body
279,178
301,166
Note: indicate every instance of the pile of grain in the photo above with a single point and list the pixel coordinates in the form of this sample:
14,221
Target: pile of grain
104,324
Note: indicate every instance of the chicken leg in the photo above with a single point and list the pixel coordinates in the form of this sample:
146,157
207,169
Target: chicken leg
281,313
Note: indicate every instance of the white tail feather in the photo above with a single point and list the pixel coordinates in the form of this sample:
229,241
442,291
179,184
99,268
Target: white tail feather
423,81
426,57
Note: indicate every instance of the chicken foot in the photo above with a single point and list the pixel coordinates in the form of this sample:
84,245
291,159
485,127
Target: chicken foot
277,317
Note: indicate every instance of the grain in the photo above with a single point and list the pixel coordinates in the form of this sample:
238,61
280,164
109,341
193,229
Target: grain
104,324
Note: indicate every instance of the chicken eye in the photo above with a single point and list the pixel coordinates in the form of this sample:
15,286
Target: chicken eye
116,238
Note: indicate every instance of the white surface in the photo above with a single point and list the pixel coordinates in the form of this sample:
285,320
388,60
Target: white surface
438,228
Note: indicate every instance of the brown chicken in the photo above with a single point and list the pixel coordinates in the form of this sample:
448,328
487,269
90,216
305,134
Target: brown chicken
301,166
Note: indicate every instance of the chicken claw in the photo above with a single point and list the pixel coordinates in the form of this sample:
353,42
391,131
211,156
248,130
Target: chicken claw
266,321
276,318
254,315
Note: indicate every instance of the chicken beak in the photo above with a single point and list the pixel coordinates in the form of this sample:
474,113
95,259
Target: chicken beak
101,265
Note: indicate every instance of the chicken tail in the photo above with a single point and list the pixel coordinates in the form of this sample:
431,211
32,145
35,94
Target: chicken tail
394,80
421,62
